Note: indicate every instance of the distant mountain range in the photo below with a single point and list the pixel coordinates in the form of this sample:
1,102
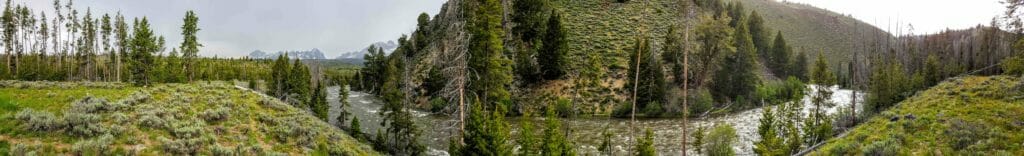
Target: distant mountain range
304,55
388,46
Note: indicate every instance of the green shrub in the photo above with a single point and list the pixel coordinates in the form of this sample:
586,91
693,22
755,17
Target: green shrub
23,150
645,146
83,124
217,114
437,104
700,101
623,110
886,147
964,134
5,147
97,146
39,121
152,121
721,140
564,107
91,104
850,148
218,150
1013,65
653,109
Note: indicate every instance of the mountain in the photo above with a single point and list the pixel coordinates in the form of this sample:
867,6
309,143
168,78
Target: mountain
304,55
388,46
961,116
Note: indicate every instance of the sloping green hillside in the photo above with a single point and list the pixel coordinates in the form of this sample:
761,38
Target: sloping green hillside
816,29
962,116
206,118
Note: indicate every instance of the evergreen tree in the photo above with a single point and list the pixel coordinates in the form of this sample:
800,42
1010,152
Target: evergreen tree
486,132
528,15
555,141
759,34
552,56
721,140
645,146
319,101
279,76
189,45
354,128
121,38
143,45
651,89
672,55
715,39
736,77
298,89
779,57
401,131
770,143
818,127
343,103
529,144
799,66
10,27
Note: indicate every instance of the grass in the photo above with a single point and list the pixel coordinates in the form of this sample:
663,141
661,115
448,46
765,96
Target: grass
165,119
962,116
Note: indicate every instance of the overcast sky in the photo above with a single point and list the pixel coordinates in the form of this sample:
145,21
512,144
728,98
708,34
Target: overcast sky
927,16
236,27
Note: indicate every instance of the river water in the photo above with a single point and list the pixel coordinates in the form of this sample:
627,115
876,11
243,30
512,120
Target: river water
586,132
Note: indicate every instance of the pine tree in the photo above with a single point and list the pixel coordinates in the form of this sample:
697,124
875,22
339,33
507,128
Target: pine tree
10,27
319,101
299,89
645,146
143,45
736,77
121,38
529,144
799,66
401,130
554,141
779,57
716,39
651,89
818,127
189,45
486,132
672,55
770,143
343,103
552,56
279,76
528,16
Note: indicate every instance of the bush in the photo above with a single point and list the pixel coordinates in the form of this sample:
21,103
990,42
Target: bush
218,150
97,146
888,146
700,101
91,104
623,110
437,104
217,114
1013,65
963,134
564,107
83,124
653,109
23,150
39,121
152,121
721,140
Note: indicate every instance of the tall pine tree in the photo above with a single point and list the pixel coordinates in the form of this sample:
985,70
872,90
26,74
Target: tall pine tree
189,45
552,55
143,45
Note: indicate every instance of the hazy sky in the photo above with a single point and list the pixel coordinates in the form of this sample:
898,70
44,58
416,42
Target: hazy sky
927,16
236,27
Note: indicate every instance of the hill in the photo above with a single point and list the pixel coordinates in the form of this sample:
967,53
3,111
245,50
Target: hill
961,116
388,46
205,118
813,29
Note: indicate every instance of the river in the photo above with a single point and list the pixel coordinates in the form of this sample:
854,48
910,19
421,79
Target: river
586,132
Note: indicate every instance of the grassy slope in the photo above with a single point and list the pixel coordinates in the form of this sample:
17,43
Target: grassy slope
814,28
259,124
608,30
979,114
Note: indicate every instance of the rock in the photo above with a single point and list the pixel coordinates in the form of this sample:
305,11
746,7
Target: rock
894,119
910,117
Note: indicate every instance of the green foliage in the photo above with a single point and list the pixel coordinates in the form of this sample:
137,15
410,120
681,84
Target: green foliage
799,67
759,35
492,69
486,133
736,75
651,88
1013,65
606,142
355,129
528,142
770,143
343,105
888,86
889,146
143,44
721,140
779,57
189,45
318,102
716,39
645,146
298,87
97,146
700,102
555,142
401,131
552,57
672,55
698,139
529,18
